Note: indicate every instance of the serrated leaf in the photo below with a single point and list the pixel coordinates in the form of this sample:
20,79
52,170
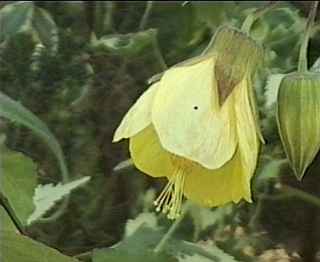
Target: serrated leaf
6,222
15,247
272,88
143,219
14,18
47,195
18,179
16,112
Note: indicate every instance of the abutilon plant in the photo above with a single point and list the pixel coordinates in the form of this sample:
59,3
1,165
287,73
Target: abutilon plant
198,127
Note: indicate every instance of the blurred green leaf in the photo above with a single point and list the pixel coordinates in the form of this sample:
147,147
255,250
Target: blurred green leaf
204,217
16,112
14,18
137,247
15,247
45,28
47,195
18,17
18,181
125,44
6,222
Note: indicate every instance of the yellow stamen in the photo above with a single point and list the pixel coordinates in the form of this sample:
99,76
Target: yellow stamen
171,197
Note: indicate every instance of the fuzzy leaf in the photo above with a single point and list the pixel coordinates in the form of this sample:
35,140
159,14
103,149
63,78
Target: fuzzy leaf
47,195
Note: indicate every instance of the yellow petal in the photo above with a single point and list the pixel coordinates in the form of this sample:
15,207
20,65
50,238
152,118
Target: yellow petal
217,187
138,117
188,119
252,100
246,128
148,155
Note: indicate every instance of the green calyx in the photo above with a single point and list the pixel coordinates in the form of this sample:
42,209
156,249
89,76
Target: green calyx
298,118
237,55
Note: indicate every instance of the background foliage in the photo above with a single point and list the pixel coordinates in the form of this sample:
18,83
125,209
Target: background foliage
73,70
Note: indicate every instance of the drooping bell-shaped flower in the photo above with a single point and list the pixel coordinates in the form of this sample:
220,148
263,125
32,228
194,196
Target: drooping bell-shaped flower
187,128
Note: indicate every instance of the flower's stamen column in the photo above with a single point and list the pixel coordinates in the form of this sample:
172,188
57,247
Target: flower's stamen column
171,197
175,208
165,194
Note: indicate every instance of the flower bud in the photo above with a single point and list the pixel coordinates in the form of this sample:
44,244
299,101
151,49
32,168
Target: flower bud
298,118
237,55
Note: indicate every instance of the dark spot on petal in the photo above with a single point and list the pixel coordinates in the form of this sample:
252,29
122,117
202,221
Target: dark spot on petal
195,108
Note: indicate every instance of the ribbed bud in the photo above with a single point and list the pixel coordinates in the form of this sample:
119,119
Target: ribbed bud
298,117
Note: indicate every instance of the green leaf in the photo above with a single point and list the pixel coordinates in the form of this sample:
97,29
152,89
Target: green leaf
47,195
140,246
125,45
15,247
14,18
18,180
137,247
5,221
204,217
14,111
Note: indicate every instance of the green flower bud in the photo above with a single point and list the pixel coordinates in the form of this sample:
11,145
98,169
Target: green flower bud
298,118
237,55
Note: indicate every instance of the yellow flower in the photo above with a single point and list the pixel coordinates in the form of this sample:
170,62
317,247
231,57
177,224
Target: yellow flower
178,130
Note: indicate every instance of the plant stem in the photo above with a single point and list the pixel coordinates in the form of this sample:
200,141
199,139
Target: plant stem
158,54
295,192
6,205
254,16
172,229
146,15
303,60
